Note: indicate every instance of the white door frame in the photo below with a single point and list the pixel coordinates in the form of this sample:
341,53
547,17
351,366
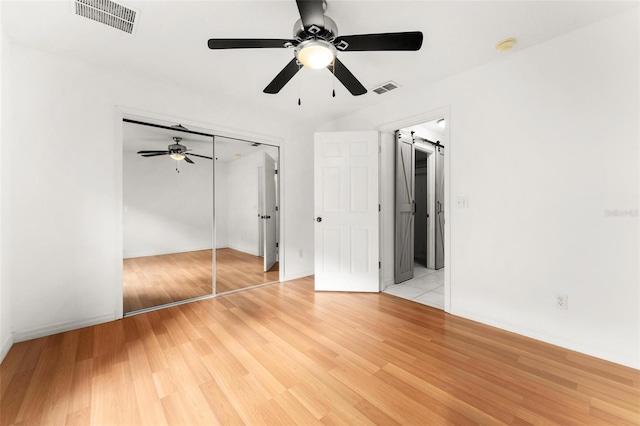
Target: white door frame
122,112
391,127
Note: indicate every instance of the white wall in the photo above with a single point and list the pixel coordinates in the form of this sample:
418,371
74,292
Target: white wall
296,160
6,339
165,211
543,142
243,203
63,204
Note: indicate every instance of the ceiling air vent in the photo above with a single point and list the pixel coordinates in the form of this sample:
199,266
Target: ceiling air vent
109,13
386,87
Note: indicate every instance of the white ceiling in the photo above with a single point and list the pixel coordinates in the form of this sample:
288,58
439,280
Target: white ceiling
171,43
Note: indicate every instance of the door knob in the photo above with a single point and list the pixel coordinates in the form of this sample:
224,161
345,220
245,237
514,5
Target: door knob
318,219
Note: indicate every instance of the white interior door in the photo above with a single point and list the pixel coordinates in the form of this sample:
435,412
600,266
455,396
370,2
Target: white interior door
269,213
346,211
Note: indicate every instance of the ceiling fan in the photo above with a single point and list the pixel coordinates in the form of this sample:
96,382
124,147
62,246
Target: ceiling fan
177,151
316,45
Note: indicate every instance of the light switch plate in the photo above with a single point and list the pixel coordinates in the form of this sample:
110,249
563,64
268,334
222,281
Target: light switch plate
462,202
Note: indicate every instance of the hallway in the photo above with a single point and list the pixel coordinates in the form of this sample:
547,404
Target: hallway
426,287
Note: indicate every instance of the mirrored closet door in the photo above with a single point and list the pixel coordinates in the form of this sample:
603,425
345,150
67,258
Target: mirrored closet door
200,214
246,214
167,219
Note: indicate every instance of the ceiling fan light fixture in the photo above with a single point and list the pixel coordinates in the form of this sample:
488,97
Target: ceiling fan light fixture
177,156
316,54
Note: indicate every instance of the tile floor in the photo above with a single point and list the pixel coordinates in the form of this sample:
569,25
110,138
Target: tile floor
426,287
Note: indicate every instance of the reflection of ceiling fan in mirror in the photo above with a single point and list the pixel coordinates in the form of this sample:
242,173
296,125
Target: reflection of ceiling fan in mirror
177,151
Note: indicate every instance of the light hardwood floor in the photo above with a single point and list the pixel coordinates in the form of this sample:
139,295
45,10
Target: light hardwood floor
284,354
157,280
237,270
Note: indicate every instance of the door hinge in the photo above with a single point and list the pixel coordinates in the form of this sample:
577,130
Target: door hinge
277,245
379,208
379,265
276,208
276,171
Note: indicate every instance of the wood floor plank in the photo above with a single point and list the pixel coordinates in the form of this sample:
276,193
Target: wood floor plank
58,399
150,408
298,413
392,400
220,404
373,413
32,408
284,354
14,397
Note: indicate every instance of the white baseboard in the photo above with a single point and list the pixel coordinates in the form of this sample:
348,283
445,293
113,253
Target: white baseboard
158,253
6,346
290,277
34,333
387,283
251,252
594,351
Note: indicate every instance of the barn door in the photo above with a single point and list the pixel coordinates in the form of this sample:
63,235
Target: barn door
405,206
439,208
346,211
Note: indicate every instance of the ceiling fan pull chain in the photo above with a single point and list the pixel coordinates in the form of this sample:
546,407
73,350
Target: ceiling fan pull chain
299,100
334,77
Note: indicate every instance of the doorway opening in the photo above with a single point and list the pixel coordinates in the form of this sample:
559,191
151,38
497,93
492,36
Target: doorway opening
419,214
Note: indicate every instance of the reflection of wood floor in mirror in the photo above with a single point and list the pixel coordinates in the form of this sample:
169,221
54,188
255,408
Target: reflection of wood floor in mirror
157,280
238,270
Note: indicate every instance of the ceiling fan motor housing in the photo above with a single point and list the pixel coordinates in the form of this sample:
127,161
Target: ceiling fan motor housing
328,33
177,148
316,39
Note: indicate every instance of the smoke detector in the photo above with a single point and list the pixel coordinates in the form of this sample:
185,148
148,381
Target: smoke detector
107,12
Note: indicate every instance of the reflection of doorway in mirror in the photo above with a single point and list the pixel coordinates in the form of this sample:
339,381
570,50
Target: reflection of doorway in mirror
269,214
246,214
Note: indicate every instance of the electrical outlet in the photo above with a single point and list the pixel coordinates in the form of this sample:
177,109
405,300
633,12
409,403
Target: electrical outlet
562,301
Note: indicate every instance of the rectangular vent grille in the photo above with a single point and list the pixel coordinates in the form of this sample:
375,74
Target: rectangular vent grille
109,13
386,87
